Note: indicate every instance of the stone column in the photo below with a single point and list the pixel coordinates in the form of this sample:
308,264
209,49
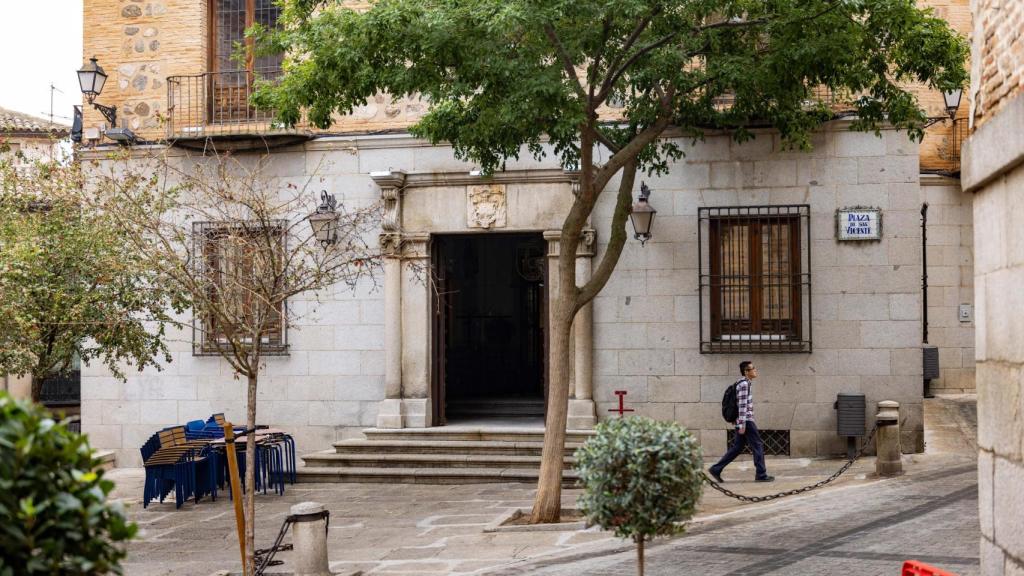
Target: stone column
390,412
416,339
582,411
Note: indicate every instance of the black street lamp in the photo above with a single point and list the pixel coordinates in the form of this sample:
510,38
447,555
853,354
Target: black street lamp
325,220
642,215
92,78
952,99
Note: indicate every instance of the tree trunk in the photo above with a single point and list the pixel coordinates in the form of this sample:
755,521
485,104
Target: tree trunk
37,388
547,505
640,556
250,479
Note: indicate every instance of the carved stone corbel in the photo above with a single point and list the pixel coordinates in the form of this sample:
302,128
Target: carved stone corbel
391,184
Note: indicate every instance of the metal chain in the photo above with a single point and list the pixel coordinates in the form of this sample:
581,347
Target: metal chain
743,498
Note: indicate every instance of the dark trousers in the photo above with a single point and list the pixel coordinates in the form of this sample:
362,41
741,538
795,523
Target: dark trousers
751,437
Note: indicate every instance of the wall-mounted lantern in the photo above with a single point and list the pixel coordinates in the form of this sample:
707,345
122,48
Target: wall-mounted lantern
91,79
325,220
642,215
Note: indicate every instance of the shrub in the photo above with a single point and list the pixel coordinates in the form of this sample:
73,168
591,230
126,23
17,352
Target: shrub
641,478
54,514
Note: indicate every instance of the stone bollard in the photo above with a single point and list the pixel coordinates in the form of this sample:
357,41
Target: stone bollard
888,460
309,538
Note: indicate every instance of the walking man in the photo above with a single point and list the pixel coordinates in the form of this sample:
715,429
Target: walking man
746,430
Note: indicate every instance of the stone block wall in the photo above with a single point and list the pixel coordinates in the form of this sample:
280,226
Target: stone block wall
994,173
326,389
866,298
950,281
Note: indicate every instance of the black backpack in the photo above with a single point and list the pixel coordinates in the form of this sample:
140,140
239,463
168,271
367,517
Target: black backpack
730,410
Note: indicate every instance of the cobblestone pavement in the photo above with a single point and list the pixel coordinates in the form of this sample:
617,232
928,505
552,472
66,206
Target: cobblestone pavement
929,514
860,525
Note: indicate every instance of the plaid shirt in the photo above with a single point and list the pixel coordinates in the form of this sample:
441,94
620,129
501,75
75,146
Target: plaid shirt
744,401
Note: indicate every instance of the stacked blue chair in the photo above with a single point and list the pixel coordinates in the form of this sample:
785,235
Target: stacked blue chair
189,460
172,461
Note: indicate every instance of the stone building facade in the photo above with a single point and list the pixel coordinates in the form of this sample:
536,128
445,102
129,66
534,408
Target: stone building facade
375,356
994,173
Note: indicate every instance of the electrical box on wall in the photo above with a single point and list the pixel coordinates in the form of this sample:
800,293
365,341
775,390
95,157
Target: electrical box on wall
966,314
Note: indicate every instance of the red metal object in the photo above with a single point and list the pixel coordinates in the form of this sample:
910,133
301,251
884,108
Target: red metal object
916,568
622,404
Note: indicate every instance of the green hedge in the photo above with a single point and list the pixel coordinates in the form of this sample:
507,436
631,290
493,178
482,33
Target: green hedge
54,513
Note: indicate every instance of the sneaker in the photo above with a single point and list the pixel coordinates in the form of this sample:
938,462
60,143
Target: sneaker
765,479
717,476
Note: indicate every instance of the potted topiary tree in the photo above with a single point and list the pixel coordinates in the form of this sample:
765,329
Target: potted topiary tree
54,513
641,479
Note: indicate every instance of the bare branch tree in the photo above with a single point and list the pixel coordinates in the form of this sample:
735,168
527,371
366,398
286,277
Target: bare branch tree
239,243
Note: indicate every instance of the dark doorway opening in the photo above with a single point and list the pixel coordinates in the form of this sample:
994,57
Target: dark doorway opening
489,326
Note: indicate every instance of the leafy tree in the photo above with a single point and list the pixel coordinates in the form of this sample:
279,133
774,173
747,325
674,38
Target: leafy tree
54,513
69,283
240,245
641,478
506,76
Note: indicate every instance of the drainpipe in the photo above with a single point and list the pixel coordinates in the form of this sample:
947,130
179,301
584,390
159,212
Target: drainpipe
924,272
927,382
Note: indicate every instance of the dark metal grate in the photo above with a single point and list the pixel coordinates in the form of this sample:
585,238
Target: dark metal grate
776,442
755,280
225,260
61,389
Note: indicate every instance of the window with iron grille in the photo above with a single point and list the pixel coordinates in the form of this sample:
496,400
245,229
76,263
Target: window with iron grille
237,264
755,281
776,442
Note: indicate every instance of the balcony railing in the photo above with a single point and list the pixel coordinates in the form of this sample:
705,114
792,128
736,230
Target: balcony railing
218,104
961,130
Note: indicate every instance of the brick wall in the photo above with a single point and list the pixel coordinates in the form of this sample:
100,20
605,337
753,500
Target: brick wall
938,148
142,42
997,71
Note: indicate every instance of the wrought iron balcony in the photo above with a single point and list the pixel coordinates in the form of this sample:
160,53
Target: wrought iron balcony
218,105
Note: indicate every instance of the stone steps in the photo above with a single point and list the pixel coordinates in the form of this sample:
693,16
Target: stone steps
425,475
457,454
510,407
329,459
484,434
462,447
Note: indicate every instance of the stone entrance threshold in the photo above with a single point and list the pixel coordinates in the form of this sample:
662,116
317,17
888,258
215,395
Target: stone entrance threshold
465,452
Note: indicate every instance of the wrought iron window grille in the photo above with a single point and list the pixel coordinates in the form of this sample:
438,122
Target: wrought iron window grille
754,279
208,339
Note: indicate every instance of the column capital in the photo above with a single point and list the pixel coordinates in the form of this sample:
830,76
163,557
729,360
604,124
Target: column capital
585,249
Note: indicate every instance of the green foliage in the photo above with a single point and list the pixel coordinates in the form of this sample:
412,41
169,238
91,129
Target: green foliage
70,282
641,477
54,513
501,75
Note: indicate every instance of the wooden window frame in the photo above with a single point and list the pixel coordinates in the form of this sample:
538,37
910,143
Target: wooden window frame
213,57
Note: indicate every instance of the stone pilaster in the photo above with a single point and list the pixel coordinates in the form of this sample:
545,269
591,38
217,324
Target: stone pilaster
390,413
582,411
415,337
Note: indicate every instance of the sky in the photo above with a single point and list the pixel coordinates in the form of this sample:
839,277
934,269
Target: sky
40,43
